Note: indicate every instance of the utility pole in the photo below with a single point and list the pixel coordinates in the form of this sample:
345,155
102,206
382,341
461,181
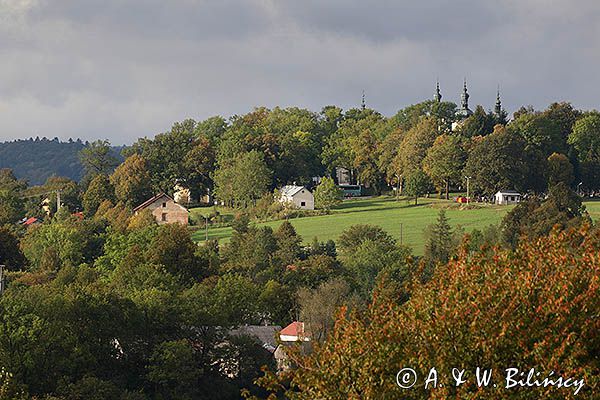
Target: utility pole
467,178
57,200
206,228
2,278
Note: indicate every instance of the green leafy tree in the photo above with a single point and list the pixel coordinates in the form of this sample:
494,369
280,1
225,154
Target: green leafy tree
417,184
540,132
480,123
584,138
100,189
327,194
173,248
560,169
243,182
414,146
562,209
11,204
131,181
444,162
97,158
496,162
10,253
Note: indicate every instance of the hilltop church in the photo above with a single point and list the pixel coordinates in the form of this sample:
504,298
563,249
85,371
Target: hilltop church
464,111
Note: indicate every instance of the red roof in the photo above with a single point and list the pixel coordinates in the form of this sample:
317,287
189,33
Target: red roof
294,329
78,214
31,220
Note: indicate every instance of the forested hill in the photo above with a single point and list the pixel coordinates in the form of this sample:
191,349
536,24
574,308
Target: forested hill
37,159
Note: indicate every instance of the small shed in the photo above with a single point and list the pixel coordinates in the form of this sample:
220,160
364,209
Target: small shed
164,209
507,197
299,196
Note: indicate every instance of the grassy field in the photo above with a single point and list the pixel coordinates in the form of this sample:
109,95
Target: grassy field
386,212
393,216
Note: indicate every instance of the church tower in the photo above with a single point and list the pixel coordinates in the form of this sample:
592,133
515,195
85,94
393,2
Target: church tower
464,111
438,95
499,113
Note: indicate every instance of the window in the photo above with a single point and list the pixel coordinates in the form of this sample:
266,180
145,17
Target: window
163,217
302,204
164,205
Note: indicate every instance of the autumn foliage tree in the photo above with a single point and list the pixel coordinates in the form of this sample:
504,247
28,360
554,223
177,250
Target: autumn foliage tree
535,307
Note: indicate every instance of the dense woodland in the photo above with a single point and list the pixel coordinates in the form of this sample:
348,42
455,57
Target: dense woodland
113,306
35,160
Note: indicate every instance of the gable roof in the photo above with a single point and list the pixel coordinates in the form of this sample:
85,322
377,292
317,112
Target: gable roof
291,190
294,329
155,198
264,334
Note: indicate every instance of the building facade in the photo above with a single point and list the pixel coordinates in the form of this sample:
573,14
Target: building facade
165,210
299,196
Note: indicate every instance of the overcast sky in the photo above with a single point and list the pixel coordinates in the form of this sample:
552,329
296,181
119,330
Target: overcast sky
118,70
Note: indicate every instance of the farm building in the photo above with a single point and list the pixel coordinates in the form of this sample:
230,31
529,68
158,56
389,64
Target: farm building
164,209
300,196
507,197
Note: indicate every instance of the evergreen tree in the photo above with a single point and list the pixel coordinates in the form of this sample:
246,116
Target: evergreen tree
439,240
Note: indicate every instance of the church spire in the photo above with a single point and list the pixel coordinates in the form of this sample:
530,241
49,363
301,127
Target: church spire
438,94
363,105
464,110
465,96
498,108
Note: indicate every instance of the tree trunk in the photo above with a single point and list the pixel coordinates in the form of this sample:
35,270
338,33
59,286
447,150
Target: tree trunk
416,198
447,190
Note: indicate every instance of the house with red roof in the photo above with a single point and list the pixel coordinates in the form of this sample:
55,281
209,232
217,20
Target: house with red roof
31,221
294,332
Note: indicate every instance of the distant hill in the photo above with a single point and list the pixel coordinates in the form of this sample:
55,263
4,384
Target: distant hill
37,159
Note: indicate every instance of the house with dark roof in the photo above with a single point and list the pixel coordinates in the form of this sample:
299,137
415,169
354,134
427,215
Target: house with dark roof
164,209
298,196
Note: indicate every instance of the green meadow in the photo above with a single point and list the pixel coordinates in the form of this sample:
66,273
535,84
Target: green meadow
400,218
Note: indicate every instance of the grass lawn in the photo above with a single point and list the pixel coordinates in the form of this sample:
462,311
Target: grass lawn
386,212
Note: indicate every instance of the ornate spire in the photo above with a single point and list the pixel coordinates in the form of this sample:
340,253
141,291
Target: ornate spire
465,96
363,105
438,94
464,110
498,108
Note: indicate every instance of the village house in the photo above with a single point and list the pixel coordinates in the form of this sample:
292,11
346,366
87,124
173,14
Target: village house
299,196
164,209
507,197
291,334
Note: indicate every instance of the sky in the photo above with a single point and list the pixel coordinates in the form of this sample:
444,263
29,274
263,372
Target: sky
119,70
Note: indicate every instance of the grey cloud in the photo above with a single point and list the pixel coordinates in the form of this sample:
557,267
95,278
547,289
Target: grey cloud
119,70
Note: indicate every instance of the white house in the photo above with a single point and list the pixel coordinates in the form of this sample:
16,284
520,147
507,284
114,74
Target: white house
300,196
507,197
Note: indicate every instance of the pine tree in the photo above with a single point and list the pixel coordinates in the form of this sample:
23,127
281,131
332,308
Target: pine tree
439,240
